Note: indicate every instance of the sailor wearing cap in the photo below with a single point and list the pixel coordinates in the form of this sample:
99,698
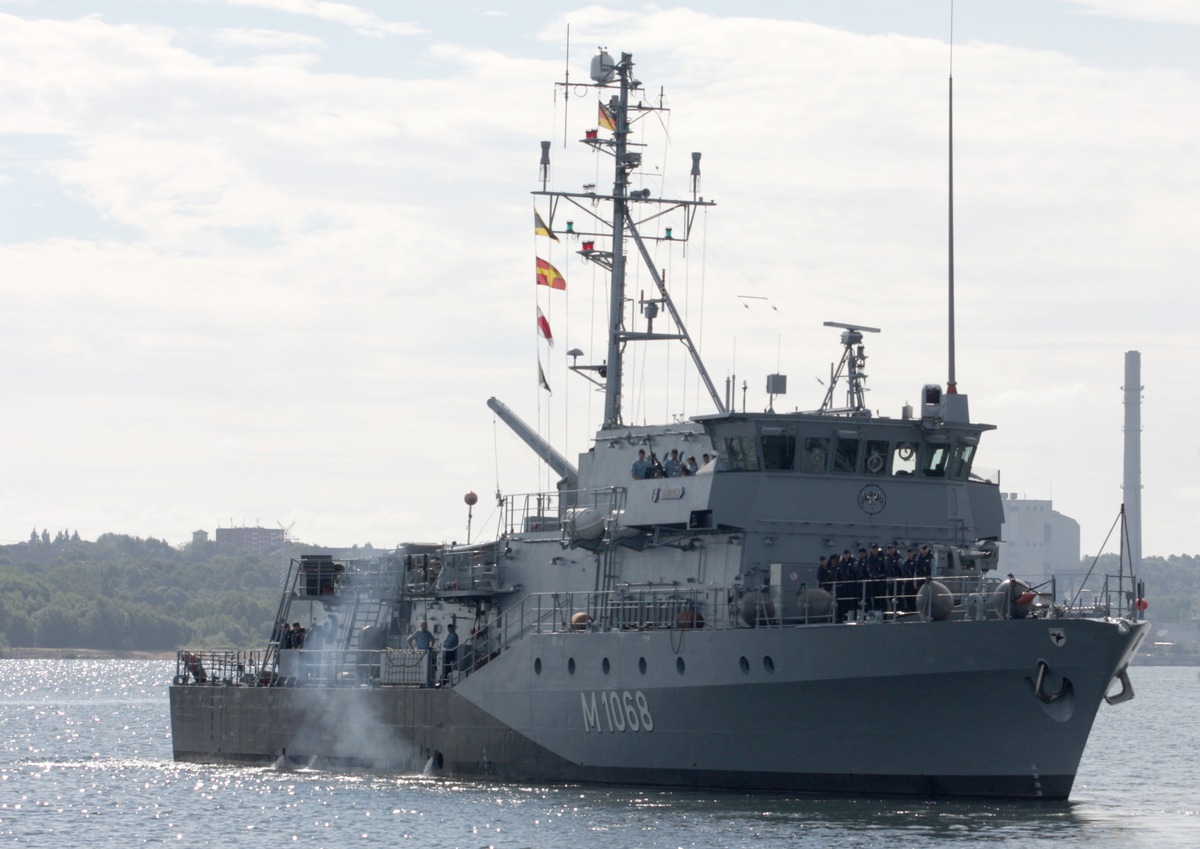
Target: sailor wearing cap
924,564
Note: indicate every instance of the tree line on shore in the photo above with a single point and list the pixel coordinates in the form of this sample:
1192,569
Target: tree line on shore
1172,583
123,593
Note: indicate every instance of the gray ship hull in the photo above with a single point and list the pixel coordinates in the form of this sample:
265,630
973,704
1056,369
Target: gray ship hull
937,709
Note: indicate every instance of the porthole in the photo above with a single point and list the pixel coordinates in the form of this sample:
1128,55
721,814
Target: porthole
537,666
642,665
571,665
604,665
679,665
768,663
744,663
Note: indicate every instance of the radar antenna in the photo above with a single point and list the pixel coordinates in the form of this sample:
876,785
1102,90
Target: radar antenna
854,359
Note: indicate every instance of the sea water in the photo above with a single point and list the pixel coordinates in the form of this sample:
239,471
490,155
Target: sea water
85,760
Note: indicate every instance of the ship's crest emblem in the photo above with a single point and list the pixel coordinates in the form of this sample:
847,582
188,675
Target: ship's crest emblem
871,499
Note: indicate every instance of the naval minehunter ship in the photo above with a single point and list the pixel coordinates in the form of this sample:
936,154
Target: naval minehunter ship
673,630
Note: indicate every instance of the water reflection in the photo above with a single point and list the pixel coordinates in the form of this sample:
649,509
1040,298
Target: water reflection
85,758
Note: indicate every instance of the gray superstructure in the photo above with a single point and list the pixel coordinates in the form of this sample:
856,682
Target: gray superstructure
676,630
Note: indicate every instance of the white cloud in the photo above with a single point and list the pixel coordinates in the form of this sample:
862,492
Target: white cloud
265,39
1161,11
311,281
345,14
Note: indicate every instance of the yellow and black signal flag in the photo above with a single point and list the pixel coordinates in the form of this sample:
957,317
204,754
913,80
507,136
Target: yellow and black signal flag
540,228
548,275
606,119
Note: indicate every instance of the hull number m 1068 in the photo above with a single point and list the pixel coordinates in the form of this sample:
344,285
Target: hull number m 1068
612,711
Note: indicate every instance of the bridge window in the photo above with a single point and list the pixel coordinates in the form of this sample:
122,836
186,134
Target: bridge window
904,458
845,458
933,461
875,461
960,467
816,454
779,452
740,454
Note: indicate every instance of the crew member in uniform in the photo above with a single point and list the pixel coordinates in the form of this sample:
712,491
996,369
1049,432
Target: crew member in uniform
640,467
876,575
825,574
908,585
422,640
449,653
863,590
924,565
847,585
894,572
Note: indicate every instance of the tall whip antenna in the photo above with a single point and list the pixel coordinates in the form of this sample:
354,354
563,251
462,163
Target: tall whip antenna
566,89
951,383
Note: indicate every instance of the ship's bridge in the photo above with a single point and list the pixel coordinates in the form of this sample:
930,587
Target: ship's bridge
804,470
816,444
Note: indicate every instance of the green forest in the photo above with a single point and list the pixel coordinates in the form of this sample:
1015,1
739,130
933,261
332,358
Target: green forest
123,593
1172,584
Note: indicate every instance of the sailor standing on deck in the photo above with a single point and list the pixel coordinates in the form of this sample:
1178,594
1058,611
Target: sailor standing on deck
847,585
449,652
924,565
422,640
876,570
826,573
909,570
895,573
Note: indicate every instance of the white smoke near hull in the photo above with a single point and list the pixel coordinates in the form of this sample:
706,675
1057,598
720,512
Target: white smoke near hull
357,728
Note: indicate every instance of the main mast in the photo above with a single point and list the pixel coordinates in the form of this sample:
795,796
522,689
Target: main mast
620,112
626,161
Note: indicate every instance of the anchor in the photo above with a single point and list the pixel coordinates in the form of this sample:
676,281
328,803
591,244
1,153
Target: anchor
1126,688
1039,689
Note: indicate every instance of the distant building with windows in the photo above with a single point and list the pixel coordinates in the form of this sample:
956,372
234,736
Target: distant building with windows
1038,540
200,536
252,539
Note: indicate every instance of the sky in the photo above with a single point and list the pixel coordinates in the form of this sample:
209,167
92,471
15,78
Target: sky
263,262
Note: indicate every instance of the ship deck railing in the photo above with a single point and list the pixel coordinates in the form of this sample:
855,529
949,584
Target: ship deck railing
646,609
529,513
316,668
224,666
974,596
537,512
